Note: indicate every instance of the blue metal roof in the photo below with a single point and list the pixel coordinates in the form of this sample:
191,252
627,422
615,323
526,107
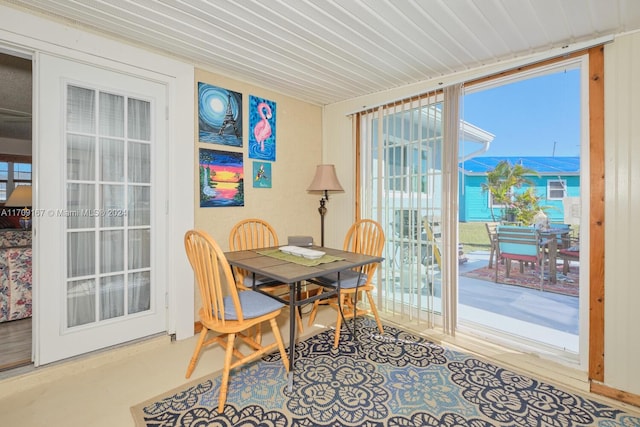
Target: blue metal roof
542,165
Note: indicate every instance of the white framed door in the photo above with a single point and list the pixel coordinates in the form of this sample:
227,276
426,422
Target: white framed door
100,216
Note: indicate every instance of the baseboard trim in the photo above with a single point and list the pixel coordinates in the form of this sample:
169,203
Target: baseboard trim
622,396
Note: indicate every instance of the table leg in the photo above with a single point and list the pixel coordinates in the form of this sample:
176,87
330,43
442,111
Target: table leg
553,251
293,292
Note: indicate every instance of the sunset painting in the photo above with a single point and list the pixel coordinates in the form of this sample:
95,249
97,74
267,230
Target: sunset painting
221,179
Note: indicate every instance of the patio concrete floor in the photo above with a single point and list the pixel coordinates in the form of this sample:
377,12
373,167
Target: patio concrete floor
542,316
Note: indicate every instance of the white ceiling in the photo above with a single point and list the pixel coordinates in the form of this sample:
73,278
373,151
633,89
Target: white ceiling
324,51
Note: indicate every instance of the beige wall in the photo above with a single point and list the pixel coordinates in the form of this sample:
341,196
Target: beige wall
287,205
622,211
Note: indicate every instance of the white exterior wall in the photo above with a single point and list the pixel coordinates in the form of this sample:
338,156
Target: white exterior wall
622,213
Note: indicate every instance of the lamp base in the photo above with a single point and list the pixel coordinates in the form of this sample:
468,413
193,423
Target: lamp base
322,210
25,223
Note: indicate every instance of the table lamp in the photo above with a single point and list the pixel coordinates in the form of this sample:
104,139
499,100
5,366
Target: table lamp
21,197
324,181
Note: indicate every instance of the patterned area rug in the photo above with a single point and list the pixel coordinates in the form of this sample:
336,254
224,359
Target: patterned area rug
565,284
395,379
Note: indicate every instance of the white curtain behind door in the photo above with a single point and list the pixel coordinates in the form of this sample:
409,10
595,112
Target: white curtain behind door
108,198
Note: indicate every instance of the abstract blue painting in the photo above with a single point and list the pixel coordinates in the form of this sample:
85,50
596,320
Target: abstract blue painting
262,129
219,115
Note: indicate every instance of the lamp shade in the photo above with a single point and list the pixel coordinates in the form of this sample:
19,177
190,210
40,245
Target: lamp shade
325,179
20,197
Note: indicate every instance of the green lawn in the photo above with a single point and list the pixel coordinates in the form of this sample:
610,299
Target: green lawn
473,235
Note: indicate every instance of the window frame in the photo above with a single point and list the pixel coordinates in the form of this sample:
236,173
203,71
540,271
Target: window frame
550,190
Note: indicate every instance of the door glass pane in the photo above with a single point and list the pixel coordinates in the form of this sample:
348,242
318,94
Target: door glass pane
111,115
81,302
111,250
81,107
139,291
112,208
139,212
80,205
139,249
139,120
81,257
139,166
80,157
111,297
111,160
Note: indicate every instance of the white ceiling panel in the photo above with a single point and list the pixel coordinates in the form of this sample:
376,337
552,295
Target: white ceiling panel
325,51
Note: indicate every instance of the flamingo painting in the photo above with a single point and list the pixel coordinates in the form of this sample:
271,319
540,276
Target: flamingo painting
262,129
262,126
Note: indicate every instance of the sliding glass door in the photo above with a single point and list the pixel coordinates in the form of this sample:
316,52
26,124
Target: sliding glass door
416,164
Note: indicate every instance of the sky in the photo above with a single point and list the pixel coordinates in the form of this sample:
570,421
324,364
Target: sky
535,117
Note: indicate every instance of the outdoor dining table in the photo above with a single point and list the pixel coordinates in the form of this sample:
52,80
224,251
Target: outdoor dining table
294,270
550,238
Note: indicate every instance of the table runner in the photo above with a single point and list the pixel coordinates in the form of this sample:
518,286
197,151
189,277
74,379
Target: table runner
277,253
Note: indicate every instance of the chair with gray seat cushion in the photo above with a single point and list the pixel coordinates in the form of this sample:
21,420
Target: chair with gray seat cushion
228,311
256,233
366,237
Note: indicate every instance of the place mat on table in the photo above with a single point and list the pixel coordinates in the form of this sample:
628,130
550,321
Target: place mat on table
277,253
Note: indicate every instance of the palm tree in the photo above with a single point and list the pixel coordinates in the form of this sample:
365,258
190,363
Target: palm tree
501,182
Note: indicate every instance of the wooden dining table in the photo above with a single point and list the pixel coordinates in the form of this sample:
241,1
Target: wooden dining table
293,270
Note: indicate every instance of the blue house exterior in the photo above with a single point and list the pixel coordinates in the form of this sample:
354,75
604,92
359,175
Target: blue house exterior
558,177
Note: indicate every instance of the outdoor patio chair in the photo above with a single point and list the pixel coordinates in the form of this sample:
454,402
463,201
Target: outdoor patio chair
228,311
569,252
491,232
522,244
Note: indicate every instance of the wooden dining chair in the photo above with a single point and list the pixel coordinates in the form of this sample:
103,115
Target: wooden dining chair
256,233
251,233
228,311
365,237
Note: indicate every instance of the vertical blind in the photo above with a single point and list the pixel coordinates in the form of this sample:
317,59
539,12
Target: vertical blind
408,188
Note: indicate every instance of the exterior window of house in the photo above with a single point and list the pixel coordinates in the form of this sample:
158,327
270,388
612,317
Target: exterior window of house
492,200
13,174
493,203
556,189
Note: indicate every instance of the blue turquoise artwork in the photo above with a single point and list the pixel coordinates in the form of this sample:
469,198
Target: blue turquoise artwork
262,175
219,115
262,126
221,178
